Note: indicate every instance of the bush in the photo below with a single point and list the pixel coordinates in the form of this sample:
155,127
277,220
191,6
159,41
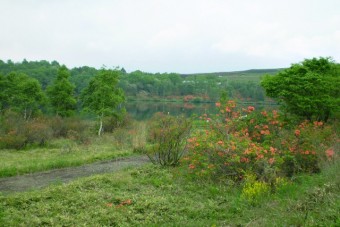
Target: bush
168,136
37,131
111,123
17,133
253,190
262,144
12,142
72,128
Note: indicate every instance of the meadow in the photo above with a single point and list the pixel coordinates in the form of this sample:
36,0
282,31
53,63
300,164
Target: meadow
155,196
193,193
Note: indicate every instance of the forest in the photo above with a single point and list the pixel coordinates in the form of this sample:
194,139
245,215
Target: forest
138,85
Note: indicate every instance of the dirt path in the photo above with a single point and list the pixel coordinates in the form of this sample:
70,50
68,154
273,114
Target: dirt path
43,179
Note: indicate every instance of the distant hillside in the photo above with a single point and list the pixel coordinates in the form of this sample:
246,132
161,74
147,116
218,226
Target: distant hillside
250,72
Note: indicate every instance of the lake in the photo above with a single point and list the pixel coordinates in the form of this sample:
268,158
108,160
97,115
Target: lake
142,110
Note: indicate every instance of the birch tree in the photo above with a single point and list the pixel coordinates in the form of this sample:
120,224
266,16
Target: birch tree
102,96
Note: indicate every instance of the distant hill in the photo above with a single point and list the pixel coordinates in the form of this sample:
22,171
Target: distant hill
250,72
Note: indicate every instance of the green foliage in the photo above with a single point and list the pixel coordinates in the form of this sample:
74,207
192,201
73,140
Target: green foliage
45,72
102,96
168,137
61,94
21,94
243,85
3,95
310,89
253,190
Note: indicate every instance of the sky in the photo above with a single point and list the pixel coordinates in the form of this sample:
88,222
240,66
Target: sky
183,36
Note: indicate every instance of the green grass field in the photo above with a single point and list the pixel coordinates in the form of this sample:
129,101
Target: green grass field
153,196
61,153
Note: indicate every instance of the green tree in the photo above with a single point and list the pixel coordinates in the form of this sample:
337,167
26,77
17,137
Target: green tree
310,89
21,93
61,94
3,95
103,97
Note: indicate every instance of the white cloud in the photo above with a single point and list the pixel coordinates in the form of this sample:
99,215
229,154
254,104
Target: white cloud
159,35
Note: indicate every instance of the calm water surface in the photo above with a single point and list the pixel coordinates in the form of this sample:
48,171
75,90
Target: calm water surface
143,110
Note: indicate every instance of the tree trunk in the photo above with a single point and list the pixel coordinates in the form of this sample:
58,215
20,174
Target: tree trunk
100,127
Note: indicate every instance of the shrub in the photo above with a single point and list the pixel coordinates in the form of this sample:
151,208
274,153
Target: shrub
12,142
110,123
17,133
37,131
168,136
253,189
72,128
241,141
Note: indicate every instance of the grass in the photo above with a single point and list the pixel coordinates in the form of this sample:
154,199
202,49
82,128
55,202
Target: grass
65,152
153,196
14,162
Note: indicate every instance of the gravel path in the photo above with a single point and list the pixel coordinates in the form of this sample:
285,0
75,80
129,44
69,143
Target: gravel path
43,179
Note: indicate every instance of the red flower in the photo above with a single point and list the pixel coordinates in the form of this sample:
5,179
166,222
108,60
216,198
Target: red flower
218,104
330,153
260,156
317,123
192,166
251,108
297,132
243,159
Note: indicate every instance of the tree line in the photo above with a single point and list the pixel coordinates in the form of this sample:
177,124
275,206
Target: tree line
25,95
309,89
143,85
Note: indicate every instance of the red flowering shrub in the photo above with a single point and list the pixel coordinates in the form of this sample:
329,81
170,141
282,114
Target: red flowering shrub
245,141
304,147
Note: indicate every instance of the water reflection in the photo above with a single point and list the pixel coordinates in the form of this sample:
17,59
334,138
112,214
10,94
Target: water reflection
145,110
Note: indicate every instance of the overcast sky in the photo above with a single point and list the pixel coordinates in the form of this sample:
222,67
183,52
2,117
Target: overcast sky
183,36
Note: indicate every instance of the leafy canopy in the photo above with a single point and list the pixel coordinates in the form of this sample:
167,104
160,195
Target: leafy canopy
61,94
310,89
102,96
21,93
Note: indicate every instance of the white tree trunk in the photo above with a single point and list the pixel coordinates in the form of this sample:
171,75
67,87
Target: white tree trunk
100,127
